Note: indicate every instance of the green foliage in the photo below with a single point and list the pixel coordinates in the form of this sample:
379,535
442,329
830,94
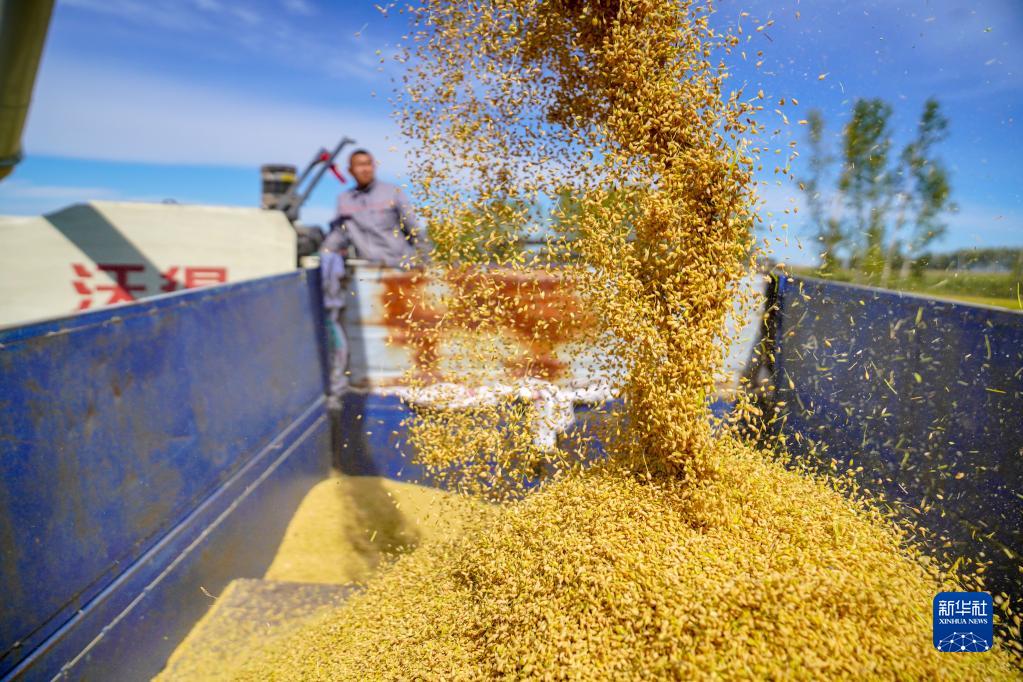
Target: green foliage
866,181
930,192
489,231
952,283
1008,259
885,210
829,232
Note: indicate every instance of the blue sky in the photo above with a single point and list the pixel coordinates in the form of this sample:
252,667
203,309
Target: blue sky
184,99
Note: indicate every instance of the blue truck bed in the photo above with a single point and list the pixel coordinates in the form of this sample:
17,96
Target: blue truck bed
151,453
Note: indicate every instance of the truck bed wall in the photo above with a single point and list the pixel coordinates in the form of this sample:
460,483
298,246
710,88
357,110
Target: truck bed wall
926,395
148,454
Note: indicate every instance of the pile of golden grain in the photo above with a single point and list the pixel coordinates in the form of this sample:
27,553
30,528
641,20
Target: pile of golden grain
754,572
612,127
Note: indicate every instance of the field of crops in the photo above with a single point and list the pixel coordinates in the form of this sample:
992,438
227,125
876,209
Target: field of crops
1002,289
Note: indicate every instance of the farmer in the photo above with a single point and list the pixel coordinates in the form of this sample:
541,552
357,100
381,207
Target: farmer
373,218
374,223
332,269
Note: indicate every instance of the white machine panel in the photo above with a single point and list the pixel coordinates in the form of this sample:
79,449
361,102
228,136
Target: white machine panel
103,253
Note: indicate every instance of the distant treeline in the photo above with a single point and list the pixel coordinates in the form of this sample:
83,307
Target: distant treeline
994,260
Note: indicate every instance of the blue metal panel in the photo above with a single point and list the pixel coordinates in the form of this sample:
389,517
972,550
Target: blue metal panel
372,439
129,630
927,395
117,427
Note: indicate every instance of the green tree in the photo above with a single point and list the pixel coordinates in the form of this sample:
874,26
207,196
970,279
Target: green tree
829,234
895,205
867,183
930,188
490,231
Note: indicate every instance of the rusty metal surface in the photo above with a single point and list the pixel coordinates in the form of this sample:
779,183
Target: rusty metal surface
400,320
115,426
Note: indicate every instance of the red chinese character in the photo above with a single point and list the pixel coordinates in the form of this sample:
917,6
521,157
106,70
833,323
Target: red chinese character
203,276
170,279
82,288
122,290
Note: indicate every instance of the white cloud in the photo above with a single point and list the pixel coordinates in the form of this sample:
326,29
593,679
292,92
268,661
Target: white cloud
209,5
175,16
300,7
22,197
171,14
23,189
289,37
361,63
93,111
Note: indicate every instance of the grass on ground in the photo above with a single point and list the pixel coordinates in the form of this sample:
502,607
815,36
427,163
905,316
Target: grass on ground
1000,289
